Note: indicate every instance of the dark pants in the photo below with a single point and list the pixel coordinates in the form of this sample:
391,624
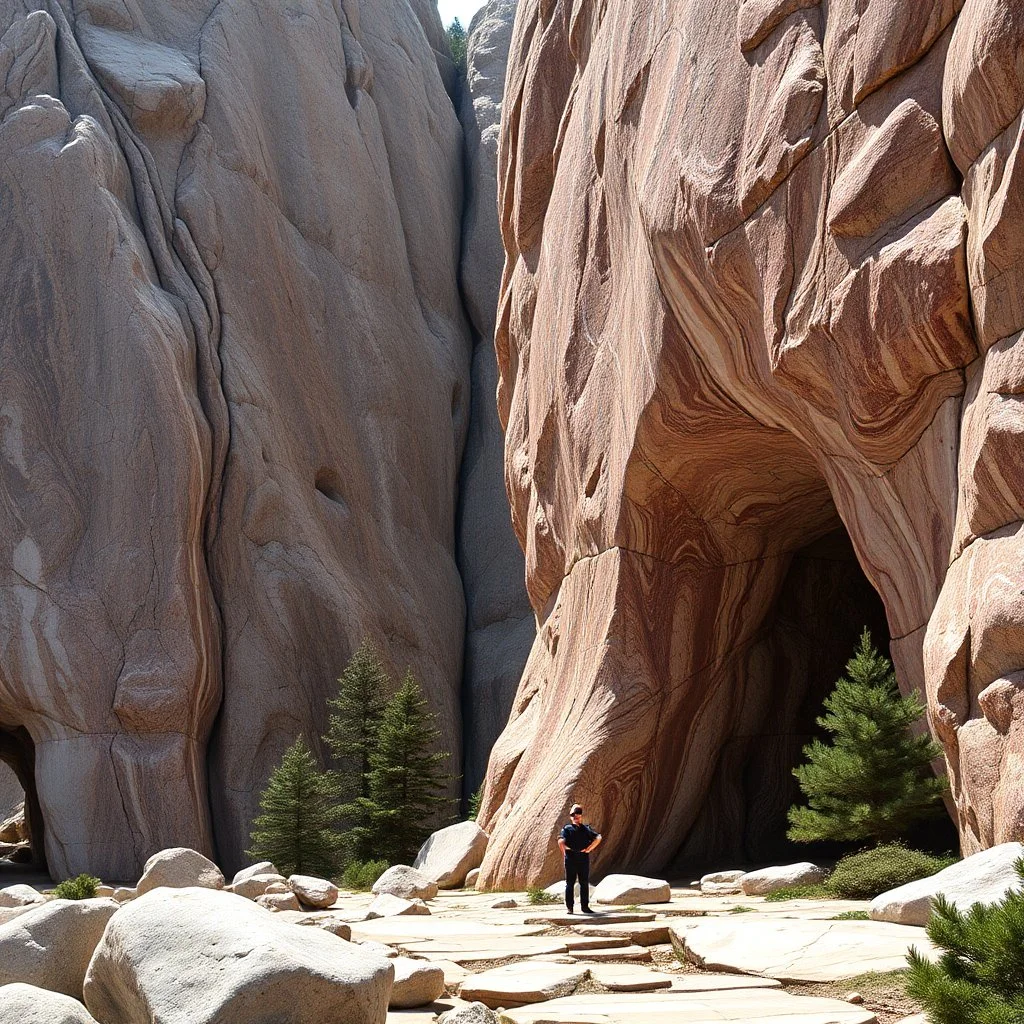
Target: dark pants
577,868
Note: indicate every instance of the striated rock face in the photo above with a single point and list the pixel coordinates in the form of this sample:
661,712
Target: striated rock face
235,392
500,624
761,281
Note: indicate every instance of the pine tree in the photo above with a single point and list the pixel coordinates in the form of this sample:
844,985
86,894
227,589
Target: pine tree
407,781
354,720
457,44
979,977
297,830
874,778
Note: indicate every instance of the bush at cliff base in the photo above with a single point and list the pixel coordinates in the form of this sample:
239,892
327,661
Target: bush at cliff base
979,977
360,875
865,875
81,888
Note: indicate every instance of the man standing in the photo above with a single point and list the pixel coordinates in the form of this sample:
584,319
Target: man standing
576,842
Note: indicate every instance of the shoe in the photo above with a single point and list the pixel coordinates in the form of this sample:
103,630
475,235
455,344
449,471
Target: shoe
569,910
587,910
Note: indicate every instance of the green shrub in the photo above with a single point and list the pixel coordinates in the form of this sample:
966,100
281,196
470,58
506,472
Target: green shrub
865,875
741,910
800,892
538,896
979,977
852,915
81,888
360,875
473,811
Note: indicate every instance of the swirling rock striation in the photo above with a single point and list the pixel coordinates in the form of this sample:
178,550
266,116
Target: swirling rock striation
761,282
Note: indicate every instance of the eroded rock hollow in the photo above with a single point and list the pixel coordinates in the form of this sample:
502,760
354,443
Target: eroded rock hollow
762,282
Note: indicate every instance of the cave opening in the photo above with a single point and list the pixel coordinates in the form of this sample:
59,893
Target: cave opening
793,664
21,821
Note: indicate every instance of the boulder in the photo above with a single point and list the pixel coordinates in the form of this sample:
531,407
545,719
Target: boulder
321,919
318,893
760,883
451,853
985,877
179,868
198,956
279,901
386,905
407,882
105,890
20,896
380,948
475,1013
507,903
625,890
264,867
13,829
50,945
257,885
721,883
125,893
471,878
417,983
28,1004
275,888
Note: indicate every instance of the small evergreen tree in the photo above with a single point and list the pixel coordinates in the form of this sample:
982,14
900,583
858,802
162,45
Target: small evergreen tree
874,778
407,782
353,724
457,44
979,977
297,830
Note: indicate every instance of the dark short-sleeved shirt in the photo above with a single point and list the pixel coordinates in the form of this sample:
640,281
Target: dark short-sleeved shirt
578,837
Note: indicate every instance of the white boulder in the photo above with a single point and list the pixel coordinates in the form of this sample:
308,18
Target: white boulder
179,868
279,901
198,956
402,880
318,893
626,890
985,877
451,853
475,1013
386,905
760,883
27,1004
319,919
124,893
264,867
50,946
255,886
417,983
721,883
471,878
20,896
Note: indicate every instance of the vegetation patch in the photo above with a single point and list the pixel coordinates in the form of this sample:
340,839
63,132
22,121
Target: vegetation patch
537,896
865,875
852,915
979,977
360,875
819,891
81,888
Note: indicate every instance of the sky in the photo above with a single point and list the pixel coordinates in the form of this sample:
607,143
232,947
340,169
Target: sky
461,9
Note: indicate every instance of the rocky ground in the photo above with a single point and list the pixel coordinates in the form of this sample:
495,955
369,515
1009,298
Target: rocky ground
410,953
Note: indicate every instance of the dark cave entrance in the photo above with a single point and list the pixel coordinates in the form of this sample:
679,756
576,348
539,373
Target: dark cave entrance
802,648
17,785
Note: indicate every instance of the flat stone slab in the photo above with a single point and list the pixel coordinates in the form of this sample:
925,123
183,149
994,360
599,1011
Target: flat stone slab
470,951
627,978
720,982
397,929
596,942
519,984
651,934
562,918
790,949
630,954
751,1006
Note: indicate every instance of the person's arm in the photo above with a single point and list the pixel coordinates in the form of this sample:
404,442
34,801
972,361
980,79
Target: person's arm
595,844
561,841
